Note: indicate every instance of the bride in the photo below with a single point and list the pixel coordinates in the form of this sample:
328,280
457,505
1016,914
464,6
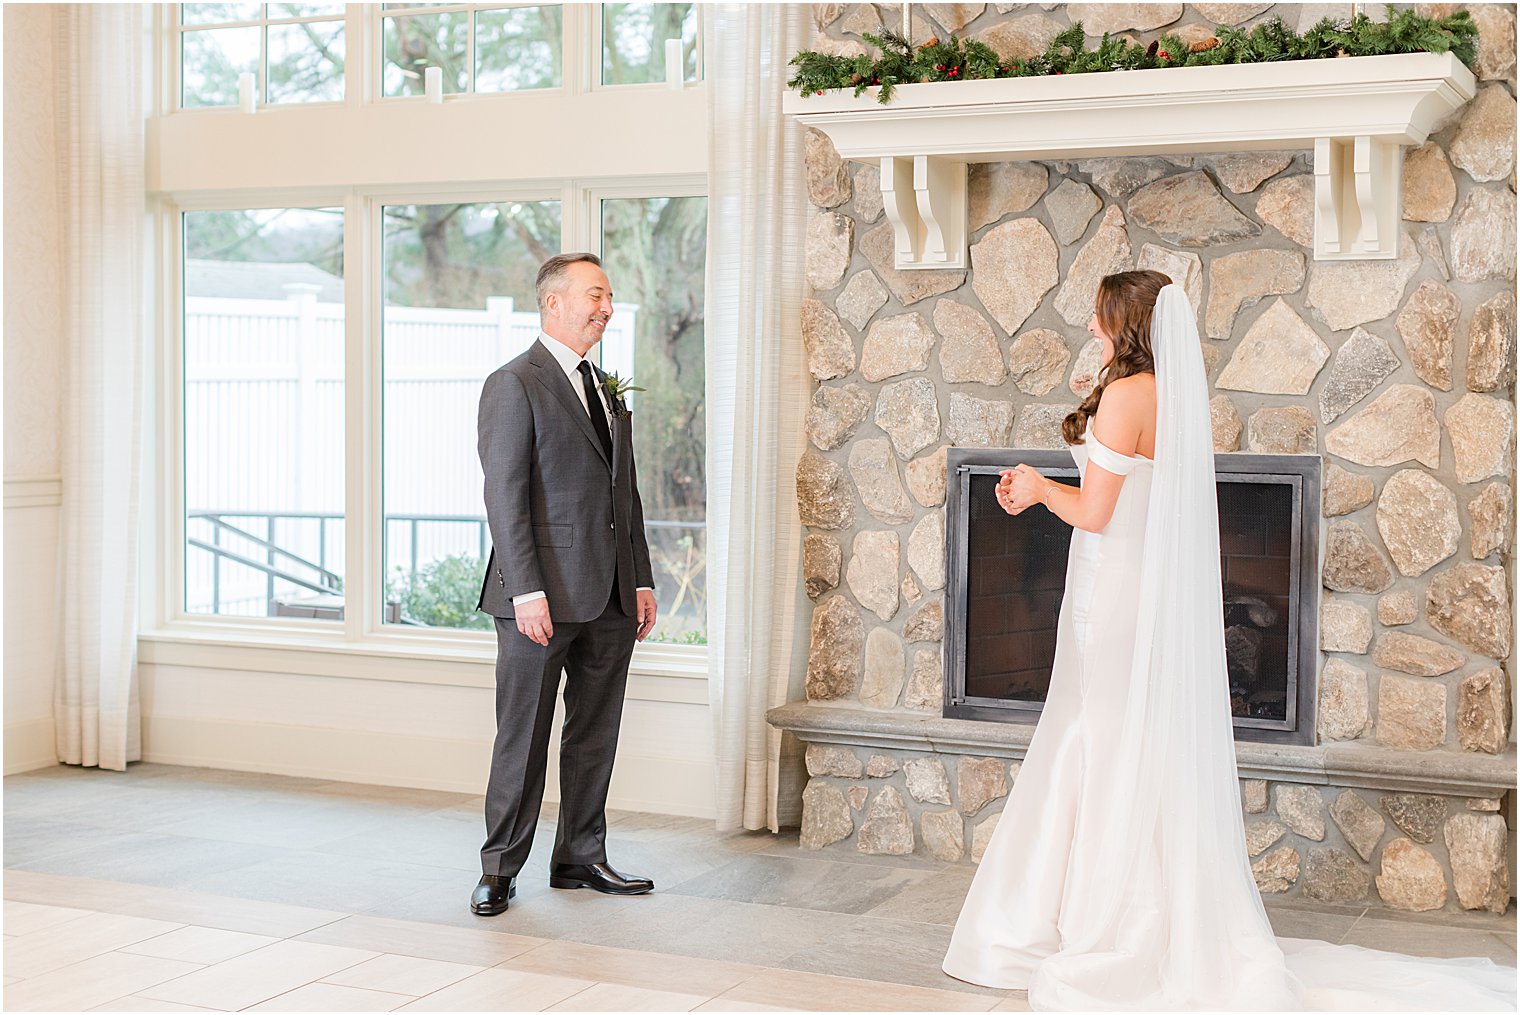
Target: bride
1117,877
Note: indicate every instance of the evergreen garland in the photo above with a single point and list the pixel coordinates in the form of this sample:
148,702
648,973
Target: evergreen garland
901,63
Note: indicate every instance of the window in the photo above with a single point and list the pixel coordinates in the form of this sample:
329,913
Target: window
459,302
334,336
476,48
294,51
263,412
634,40
655,253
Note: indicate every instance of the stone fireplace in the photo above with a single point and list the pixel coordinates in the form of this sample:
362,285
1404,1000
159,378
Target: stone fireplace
1396,785
1006,574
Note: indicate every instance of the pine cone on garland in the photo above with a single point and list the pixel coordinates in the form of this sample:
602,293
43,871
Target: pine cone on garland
1150,50
932,42
1204,45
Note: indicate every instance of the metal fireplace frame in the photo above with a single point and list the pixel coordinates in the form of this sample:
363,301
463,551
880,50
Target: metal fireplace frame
1302,473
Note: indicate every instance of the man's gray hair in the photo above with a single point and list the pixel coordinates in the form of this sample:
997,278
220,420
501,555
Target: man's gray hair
555,273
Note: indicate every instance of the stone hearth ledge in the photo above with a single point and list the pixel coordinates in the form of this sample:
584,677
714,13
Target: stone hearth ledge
1443,773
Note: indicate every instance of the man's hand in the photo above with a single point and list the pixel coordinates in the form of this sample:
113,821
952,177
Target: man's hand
533,620
647,613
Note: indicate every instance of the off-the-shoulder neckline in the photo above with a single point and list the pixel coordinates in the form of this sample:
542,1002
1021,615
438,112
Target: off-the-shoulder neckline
1090,436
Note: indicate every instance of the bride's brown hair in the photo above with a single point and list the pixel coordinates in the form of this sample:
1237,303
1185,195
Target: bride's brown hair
1125,304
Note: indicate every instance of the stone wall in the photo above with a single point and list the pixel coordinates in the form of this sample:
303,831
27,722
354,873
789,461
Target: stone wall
1399,372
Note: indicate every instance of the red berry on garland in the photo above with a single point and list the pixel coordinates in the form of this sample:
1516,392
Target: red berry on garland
1163,55
820,91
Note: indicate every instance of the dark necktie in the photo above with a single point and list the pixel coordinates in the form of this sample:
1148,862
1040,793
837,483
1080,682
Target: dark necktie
594,406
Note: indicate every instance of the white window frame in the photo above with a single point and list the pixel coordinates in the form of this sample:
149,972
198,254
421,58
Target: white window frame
581,43
172,584
361,646
352,18
594,24
569,46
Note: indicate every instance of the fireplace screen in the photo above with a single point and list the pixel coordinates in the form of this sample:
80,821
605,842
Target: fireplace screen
1007,576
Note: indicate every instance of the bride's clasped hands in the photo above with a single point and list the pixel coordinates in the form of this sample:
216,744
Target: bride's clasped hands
1020,488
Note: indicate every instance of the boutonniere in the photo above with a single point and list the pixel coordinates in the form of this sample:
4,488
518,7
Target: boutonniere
617,388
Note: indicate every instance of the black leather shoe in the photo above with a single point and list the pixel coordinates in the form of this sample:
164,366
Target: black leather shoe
599,876
492,895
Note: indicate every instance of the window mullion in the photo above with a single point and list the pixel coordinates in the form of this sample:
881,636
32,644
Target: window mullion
575,21
264,64
591,208
469,51
166,60
575,232
221,25
586,203
361,415
170,601
357,58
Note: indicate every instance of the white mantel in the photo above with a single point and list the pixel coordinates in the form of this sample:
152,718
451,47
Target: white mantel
1354,113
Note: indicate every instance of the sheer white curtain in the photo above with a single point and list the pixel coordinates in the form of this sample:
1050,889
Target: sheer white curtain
99,68
757,394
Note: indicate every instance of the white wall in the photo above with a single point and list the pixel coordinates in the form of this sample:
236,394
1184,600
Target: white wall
33,365
402,731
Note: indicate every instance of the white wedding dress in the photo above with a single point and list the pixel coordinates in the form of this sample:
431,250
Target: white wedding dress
1117,877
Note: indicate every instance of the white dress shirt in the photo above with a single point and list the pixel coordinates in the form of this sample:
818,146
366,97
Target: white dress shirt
570,363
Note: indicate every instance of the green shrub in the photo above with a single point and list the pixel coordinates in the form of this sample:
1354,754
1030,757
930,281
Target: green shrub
442,594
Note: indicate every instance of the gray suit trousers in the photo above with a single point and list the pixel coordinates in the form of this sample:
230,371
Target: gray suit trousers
594,657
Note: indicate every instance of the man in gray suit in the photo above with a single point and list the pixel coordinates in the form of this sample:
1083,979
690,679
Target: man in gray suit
568,582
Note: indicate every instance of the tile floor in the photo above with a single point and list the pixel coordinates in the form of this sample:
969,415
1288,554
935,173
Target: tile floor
178,889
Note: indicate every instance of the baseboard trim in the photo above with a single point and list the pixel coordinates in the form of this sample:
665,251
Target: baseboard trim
640,782
30,744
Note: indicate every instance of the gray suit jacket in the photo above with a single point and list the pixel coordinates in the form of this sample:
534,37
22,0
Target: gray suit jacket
561,515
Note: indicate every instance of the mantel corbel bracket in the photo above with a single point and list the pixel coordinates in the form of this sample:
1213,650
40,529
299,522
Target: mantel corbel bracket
1358,198
925,200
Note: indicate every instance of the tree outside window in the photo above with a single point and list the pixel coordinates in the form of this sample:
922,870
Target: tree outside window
514,49
301,44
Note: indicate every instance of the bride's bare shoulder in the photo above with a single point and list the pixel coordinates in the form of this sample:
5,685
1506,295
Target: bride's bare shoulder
1126,413
1134,382
1134,393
